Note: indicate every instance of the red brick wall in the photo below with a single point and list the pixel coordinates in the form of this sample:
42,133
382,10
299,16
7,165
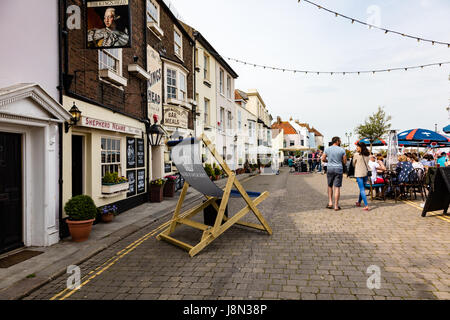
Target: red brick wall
83,64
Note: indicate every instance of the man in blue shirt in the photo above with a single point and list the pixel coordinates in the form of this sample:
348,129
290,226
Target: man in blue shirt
336,159
442,160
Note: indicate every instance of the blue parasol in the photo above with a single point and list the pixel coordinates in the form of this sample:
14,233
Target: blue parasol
422,135
376,143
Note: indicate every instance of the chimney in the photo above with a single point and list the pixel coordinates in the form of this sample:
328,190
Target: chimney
278,120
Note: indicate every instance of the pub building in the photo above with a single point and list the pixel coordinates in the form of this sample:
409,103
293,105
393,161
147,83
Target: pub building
170,54
108,86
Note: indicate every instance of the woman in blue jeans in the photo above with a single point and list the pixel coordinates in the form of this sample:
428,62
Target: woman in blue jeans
360,162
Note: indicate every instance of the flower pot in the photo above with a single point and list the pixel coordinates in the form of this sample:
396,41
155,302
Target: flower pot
156,193
217,177
80,230
114,188
169,189
108,217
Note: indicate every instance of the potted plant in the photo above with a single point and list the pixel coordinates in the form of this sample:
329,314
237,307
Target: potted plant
169,186
108,212
112,183
217,173
209,171
81,211
156,190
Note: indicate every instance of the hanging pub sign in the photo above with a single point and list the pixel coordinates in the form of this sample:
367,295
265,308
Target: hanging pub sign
108,24
140,181
131,153
131,176
140,153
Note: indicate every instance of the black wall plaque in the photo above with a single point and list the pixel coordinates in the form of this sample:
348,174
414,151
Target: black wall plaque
140,153
131,176
140,181
439,197
131,153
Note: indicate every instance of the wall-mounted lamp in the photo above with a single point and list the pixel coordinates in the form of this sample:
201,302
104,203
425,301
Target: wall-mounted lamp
156,133
76,116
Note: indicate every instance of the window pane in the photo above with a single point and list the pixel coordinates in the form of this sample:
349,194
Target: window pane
108,144
113,144
103,143
103,156
152,11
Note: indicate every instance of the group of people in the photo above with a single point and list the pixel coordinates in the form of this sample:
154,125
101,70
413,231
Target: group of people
365,165
312,161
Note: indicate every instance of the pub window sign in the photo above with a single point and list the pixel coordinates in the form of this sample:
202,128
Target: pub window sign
108,24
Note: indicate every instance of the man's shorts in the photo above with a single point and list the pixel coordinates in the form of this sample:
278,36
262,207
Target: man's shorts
334,177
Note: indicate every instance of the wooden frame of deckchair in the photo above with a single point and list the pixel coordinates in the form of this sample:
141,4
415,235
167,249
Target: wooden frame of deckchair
211,233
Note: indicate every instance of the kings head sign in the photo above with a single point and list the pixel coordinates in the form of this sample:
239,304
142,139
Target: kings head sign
108,24
154,66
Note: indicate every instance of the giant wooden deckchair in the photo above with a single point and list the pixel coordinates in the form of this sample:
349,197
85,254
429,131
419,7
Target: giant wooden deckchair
210,233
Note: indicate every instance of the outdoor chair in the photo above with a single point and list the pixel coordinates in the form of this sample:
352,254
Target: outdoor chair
383,187
416,182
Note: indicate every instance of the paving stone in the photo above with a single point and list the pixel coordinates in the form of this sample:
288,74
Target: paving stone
313,253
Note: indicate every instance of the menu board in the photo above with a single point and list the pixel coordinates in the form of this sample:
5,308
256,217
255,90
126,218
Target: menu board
131,153
131,176
141,181
167,167
140,153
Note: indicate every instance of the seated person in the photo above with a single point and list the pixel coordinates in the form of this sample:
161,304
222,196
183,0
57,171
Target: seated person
428,161
415,162
377,168
442,160
404,167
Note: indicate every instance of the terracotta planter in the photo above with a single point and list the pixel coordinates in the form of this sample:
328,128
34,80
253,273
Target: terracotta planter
156,193
108,217
217,177
169,189
80,230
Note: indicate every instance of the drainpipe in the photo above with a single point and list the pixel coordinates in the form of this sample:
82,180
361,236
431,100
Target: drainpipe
147,123
61,27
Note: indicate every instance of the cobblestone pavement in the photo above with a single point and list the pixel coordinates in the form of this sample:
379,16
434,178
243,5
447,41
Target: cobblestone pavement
314,253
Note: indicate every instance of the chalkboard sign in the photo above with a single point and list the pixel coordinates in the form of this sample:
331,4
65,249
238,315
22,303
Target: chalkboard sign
131,153
167,167
439,197
140,153
131,176
140,181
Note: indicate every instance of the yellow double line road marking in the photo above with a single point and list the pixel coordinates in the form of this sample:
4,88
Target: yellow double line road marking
412,204
66,293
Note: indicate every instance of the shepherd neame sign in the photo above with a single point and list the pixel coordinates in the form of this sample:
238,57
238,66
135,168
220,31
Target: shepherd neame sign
107,125
175,117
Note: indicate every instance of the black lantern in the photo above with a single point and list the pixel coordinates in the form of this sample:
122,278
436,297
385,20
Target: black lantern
76,116
156,133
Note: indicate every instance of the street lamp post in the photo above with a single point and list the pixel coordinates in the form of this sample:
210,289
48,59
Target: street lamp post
348,135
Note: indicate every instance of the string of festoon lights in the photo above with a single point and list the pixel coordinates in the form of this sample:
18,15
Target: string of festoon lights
386,31
335,72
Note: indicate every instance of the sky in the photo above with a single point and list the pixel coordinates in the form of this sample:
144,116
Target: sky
294,35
